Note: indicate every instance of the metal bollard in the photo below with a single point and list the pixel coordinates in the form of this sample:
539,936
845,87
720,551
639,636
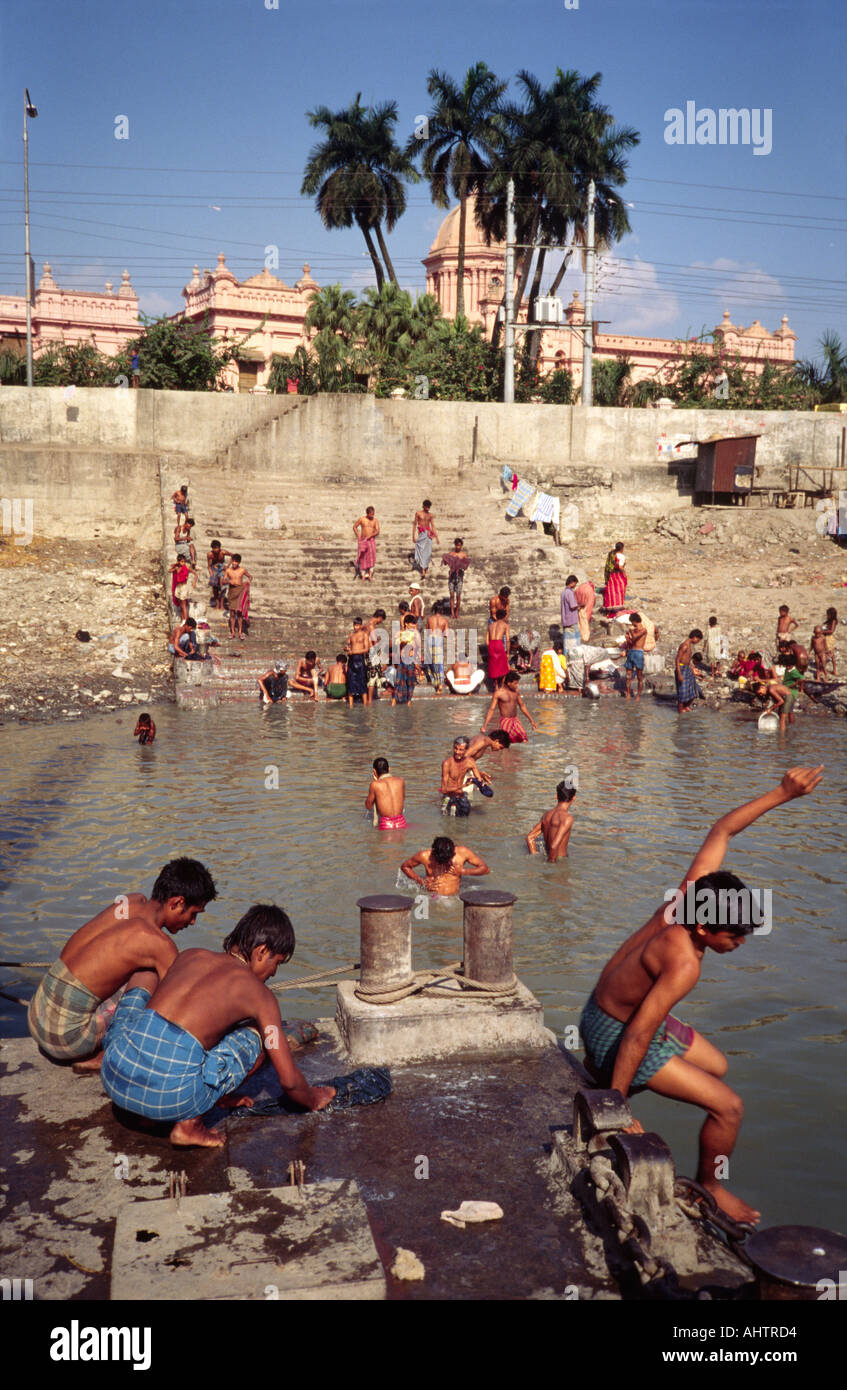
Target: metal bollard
598,1114
385,943
488,932
644,1164
797,1263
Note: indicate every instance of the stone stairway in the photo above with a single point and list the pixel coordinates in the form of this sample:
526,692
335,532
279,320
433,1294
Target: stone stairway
296,540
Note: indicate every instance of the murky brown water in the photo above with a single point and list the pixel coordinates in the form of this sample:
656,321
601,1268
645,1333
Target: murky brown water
88,814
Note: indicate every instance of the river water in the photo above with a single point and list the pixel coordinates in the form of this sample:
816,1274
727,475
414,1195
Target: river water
88,814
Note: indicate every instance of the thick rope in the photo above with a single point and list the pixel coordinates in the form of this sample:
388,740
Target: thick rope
447,983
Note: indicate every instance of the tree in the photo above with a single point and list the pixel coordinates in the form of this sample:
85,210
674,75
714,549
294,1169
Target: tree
610,381
463,130
553,145
179,355
356,174
454,363
12,367
332,310
74,364
829,379
557,388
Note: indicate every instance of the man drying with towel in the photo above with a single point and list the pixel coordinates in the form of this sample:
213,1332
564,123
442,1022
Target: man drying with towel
180,1047
71,1008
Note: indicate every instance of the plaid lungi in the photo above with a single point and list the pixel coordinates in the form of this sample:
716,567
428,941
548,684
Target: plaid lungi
62,1015
152,1067
686,689
602,1035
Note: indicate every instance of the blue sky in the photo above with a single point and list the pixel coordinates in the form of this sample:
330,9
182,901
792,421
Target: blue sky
215,94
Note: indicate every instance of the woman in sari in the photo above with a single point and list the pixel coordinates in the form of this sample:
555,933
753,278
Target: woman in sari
611,562
614,593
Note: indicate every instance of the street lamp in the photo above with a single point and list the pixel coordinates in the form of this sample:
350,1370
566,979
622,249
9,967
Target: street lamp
31,112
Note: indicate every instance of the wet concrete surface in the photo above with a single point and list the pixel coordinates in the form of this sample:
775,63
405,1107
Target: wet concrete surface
479,1129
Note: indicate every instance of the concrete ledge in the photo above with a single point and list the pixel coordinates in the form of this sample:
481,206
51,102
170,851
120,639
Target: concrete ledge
284,1243
420,1028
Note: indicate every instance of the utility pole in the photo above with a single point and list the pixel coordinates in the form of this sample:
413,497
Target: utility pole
509,307
29,110
588,335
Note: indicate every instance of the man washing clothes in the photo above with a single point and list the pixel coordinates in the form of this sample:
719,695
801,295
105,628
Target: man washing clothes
180,1047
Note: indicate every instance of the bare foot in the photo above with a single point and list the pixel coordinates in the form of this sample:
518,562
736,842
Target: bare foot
188,1134
91,1064
733,1206
235,1102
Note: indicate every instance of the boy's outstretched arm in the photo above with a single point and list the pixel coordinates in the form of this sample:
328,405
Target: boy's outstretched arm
799,781
279,1054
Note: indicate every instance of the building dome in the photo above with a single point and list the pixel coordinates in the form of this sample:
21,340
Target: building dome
447,236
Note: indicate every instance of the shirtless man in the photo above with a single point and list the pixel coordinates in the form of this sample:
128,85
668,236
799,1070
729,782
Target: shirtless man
366,530
436,628
686,685
177,1049
457,771
636,638
457,562
488,743
335,683
239,580
423,534
357,647
274,683
444,866
778,698
502,599
388,795
630,1035
64,1015
555,826
507,701
307,675
183,641
415,601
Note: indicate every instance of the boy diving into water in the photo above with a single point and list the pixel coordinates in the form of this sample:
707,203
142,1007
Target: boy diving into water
176,1049
631,1037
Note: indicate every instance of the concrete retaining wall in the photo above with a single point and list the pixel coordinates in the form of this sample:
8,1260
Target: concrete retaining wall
93,459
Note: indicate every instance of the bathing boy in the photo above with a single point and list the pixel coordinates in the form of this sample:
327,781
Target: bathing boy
65,1015
177,1048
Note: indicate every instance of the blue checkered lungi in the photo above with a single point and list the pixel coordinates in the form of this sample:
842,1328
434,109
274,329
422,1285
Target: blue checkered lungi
602,1036
686,689
152,1067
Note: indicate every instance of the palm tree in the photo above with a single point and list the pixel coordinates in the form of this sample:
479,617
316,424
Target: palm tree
463,130
553,145
385,318
332,310
830,379
357,173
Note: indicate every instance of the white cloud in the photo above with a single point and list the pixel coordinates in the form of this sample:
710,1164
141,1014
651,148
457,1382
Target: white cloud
155,304
629,294
742,288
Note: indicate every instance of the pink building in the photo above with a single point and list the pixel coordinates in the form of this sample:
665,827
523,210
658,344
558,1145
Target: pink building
561,345
267,309
108,319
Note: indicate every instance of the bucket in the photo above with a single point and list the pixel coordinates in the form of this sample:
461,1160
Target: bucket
768,722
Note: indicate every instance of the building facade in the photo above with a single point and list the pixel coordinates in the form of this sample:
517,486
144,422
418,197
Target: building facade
561,345
263,316
108,319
